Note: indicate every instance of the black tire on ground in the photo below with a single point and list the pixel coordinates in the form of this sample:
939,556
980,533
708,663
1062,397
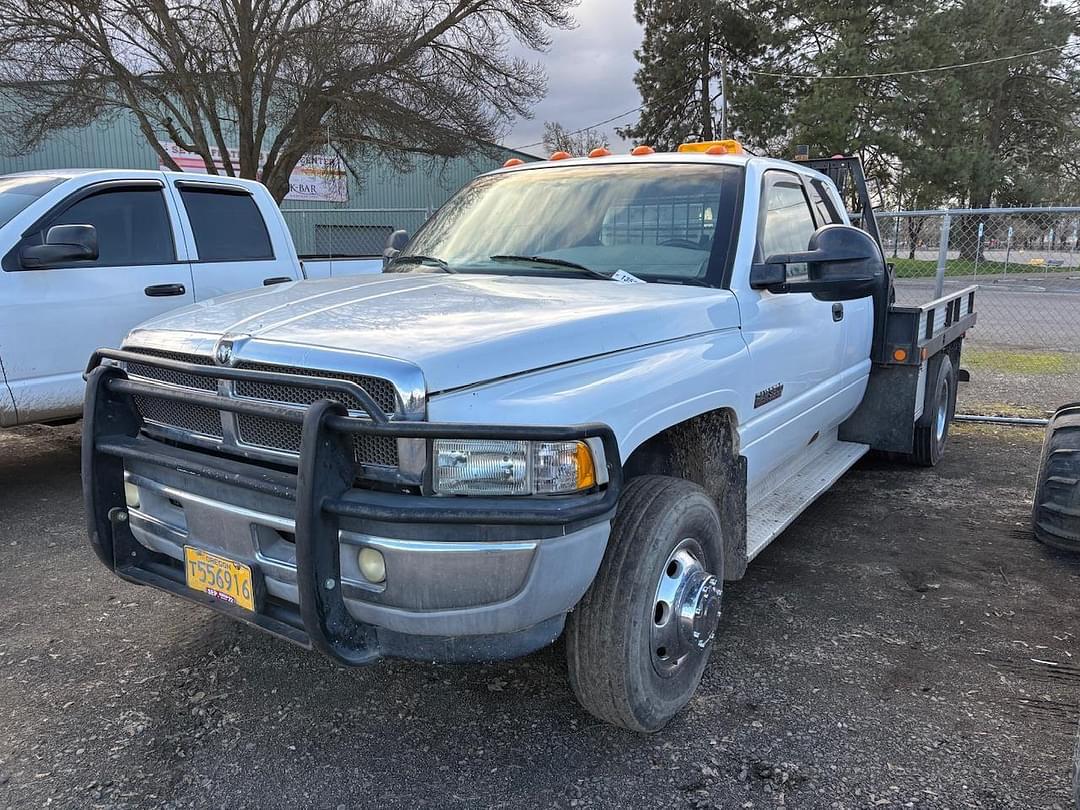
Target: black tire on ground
932,429
1056,509
614,670
1076,775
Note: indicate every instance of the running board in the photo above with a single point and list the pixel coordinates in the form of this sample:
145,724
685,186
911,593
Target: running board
773,512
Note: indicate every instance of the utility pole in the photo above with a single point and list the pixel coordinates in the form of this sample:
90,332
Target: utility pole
723,96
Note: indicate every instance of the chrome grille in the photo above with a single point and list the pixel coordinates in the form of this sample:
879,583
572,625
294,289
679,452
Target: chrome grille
166,375
180,415
258,431
380,390
170,413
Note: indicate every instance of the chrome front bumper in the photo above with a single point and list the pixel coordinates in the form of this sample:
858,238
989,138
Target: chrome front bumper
433,587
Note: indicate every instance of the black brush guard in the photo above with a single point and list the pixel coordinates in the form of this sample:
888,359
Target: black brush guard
112,433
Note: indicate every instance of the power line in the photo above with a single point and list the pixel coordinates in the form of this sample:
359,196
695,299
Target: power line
695,80
939,68
890,74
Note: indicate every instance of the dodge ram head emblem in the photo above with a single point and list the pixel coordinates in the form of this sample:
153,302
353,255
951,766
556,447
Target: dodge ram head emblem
224,353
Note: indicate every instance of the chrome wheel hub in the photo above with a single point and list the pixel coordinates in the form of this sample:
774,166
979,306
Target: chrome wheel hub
686,608
941,417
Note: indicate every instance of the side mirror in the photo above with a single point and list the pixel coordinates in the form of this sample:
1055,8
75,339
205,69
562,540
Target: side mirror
843,263
395,243
63,244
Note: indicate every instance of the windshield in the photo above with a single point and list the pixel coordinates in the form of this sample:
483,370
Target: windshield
658,222
18,191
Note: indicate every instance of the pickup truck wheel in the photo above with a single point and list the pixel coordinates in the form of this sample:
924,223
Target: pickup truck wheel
1056,510
638,641
932,432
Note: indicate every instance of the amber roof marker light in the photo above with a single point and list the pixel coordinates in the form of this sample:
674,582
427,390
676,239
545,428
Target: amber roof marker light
638,151
513,162
600,151
724,147
560,155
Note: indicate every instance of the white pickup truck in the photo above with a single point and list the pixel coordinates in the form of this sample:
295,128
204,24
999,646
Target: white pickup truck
87,255
585,394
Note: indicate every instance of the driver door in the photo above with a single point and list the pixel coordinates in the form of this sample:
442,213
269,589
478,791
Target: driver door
53,318
796,342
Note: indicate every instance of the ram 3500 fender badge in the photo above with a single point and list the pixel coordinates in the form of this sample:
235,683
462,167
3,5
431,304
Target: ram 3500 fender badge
771,393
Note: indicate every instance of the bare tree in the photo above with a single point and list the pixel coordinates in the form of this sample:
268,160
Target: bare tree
275,79
558,139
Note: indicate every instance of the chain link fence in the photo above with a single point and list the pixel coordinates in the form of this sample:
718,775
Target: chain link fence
1024,353
349,231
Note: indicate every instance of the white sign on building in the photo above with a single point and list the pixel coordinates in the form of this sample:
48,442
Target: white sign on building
316,178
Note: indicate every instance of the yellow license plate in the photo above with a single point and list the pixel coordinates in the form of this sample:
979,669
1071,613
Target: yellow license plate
220,577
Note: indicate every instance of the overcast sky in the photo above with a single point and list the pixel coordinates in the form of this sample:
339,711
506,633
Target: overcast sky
590,73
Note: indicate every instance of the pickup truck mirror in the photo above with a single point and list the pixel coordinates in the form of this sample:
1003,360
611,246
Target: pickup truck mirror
395,243
843,263
63,243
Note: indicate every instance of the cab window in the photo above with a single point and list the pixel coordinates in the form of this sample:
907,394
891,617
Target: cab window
788,223
823,204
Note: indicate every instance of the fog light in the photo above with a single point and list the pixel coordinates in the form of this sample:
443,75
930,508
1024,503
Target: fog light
372,565
131,495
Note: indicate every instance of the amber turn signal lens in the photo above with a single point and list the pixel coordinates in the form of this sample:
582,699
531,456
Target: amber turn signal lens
899,355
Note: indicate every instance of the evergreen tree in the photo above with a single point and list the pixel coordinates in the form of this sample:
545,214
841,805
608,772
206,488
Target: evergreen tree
689,48
1006,132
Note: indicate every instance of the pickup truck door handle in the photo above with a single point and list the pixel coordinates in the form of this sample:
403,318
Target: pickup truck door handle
276,280
838,312
163,290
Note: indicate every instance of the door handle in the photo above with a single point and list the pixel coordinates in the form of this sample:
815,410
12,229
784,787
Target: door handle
838,312
164,290
276,280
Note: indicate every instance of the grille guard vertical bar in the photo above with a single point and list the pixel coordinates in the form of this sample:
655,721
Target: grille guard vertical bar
326,471
103,475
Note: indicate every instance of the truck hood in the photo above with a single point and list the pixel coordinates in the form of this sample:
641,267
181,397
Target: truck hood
458,329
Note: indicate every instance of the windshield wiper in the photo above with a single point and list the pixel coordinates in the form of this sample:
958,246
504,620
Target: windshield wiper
550,260
417,258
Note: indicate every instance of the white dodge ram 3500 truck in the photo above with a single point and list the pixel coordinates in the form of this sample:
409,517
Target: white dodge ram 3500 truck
87,255
585,394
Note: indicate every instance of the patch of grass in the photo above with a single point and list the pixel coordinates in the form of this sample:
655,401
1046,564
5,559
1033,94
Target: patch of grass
927,268
1019,361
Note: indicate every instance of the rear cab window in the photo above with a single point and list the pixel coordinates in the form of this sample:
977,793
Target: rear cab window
226,224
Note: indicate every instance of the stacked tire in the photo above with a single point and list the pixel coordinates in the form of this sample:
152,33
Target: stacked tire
1056,511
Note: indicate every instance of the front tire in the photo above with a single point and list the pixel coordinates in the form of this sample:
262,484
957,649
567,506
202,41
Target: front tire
638,642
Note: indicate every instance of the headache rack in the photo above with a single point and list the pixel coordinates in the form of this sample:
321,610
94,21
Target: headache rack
320,494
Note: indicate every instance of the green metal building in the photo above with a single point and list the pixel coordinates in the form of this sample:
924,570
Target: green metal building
381,199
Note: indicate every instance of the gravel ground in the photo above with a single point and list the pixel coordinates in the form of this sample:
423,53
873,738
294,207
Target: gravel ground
904,644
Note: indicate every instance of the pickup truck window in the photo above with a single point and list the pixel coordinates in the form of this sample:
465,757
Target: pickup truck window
132,227
226,224
788,224
660,222
823,204
18,191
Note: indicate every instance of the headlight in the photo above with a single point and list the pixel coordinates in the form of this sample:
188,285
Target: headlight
497,467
